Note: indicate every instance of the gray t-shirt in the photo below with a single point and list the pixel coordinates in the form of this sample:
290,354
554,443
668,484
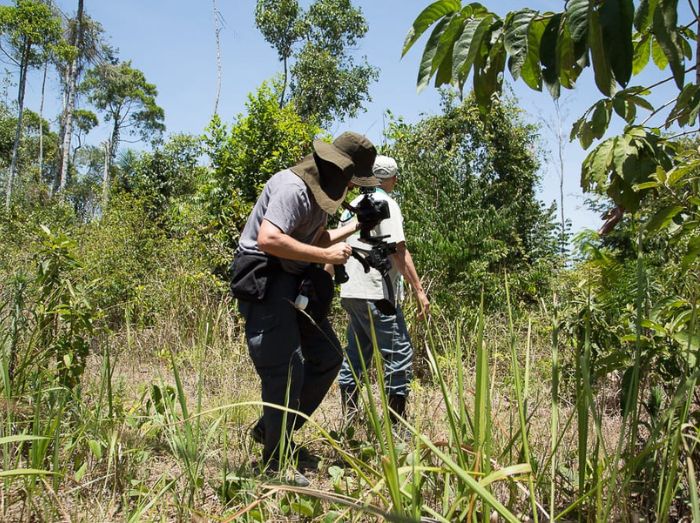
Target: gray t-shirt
287,203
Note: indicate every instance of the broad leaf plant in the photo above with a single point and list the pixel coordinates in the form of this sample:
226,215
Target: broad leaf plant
617,39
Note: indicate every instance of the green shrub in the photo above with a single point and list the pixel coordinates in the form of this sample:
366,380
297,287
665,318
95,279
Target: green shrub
138,266
467,192
267,139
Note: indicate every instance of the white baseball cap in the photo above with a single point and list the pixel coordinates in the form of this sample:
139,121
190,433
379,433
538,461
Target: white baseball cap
385,167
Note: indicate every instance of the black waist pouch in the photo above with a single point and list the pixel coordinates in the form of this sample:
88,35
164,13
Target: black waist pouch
250,274
317,286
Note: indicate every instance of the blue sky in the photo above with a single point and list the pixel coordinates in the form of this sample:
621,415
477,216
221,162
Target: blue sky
172,42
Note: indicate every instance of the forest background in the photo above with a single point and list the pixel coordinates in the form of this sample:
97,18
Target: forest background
558,374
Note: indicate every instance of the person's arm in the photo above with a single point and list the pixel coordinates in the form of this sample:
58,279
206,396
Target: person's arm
329,237
271,240
404,264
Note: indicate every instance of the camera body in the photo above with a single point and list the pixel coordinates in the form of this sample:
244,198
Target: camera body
369,212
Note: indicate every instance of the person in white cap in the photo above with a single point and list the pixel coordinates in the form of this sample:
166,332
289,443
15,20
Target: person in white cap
362,296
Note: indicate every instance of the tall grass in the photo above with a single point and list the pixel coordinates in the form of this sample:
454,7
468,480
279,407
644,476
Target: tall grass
508,423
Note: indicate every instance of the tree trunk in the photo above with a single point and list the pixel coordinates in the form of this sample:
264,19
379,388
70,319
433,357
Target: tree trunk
105,176
110,153
41,123
72,80
24,65
114,140
74,152
217,34
561,144
284,85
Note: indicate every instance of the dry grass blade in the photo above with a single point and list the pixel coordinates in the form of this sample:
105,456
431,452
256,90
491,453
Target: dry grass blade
59,505
345,501
251,506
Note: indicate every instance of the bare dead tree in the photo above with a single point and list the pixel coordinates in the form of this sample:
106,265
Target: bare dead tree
555,125
218,25
561,145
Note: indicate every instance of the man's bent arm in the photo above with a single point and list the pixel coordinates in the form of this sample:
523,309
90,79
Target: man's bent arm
403,262
329,237
271,240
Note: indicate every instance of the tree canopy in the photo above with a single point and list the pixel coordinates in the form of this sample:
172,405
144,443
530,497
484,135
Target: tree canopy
126,98
467,193
326,82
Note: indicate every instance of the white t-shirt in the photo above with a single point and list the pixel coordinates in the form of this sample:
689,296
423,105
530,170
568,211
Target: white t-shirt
371,286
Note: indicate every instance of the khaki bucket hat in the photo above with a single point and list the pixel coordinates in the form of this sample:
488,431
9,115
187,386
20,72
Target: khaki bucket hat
349,158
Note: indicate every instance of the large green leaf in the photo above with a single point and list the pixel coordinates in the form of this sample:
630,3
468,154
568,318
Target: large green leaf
444,72
644,14
577,26
641,102
577,19
642,53
616,17
663,218
442,61
601,65
687,35
623,155
658,55
678,174
600,118
636,159
625,103
548,54
665,29
516,31
469,45
594,170
425,71
567,60
531,71
585,134
488,79
687,107
428,17
624,108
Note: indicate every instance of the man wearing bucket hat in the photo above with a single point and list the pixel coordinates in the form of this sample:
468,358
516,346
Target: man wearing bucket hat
284,237
361,297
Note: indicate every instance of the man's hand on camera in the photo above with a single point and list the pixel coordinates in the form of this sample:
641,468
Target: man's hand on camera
338,253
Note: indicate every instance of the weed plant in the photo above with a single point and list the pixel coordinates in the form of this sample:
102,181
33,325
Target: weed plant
515,417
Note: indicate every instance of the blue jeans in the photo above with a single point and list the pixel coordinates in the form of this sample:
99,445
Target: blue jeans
392,340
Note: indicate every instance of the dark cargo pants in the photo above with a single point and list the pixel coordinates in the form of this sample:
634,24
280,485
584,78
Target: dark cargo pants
307,360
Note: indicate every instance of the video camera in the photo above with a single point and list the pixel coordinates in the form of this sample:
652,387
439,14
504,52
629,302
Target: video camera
370,213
